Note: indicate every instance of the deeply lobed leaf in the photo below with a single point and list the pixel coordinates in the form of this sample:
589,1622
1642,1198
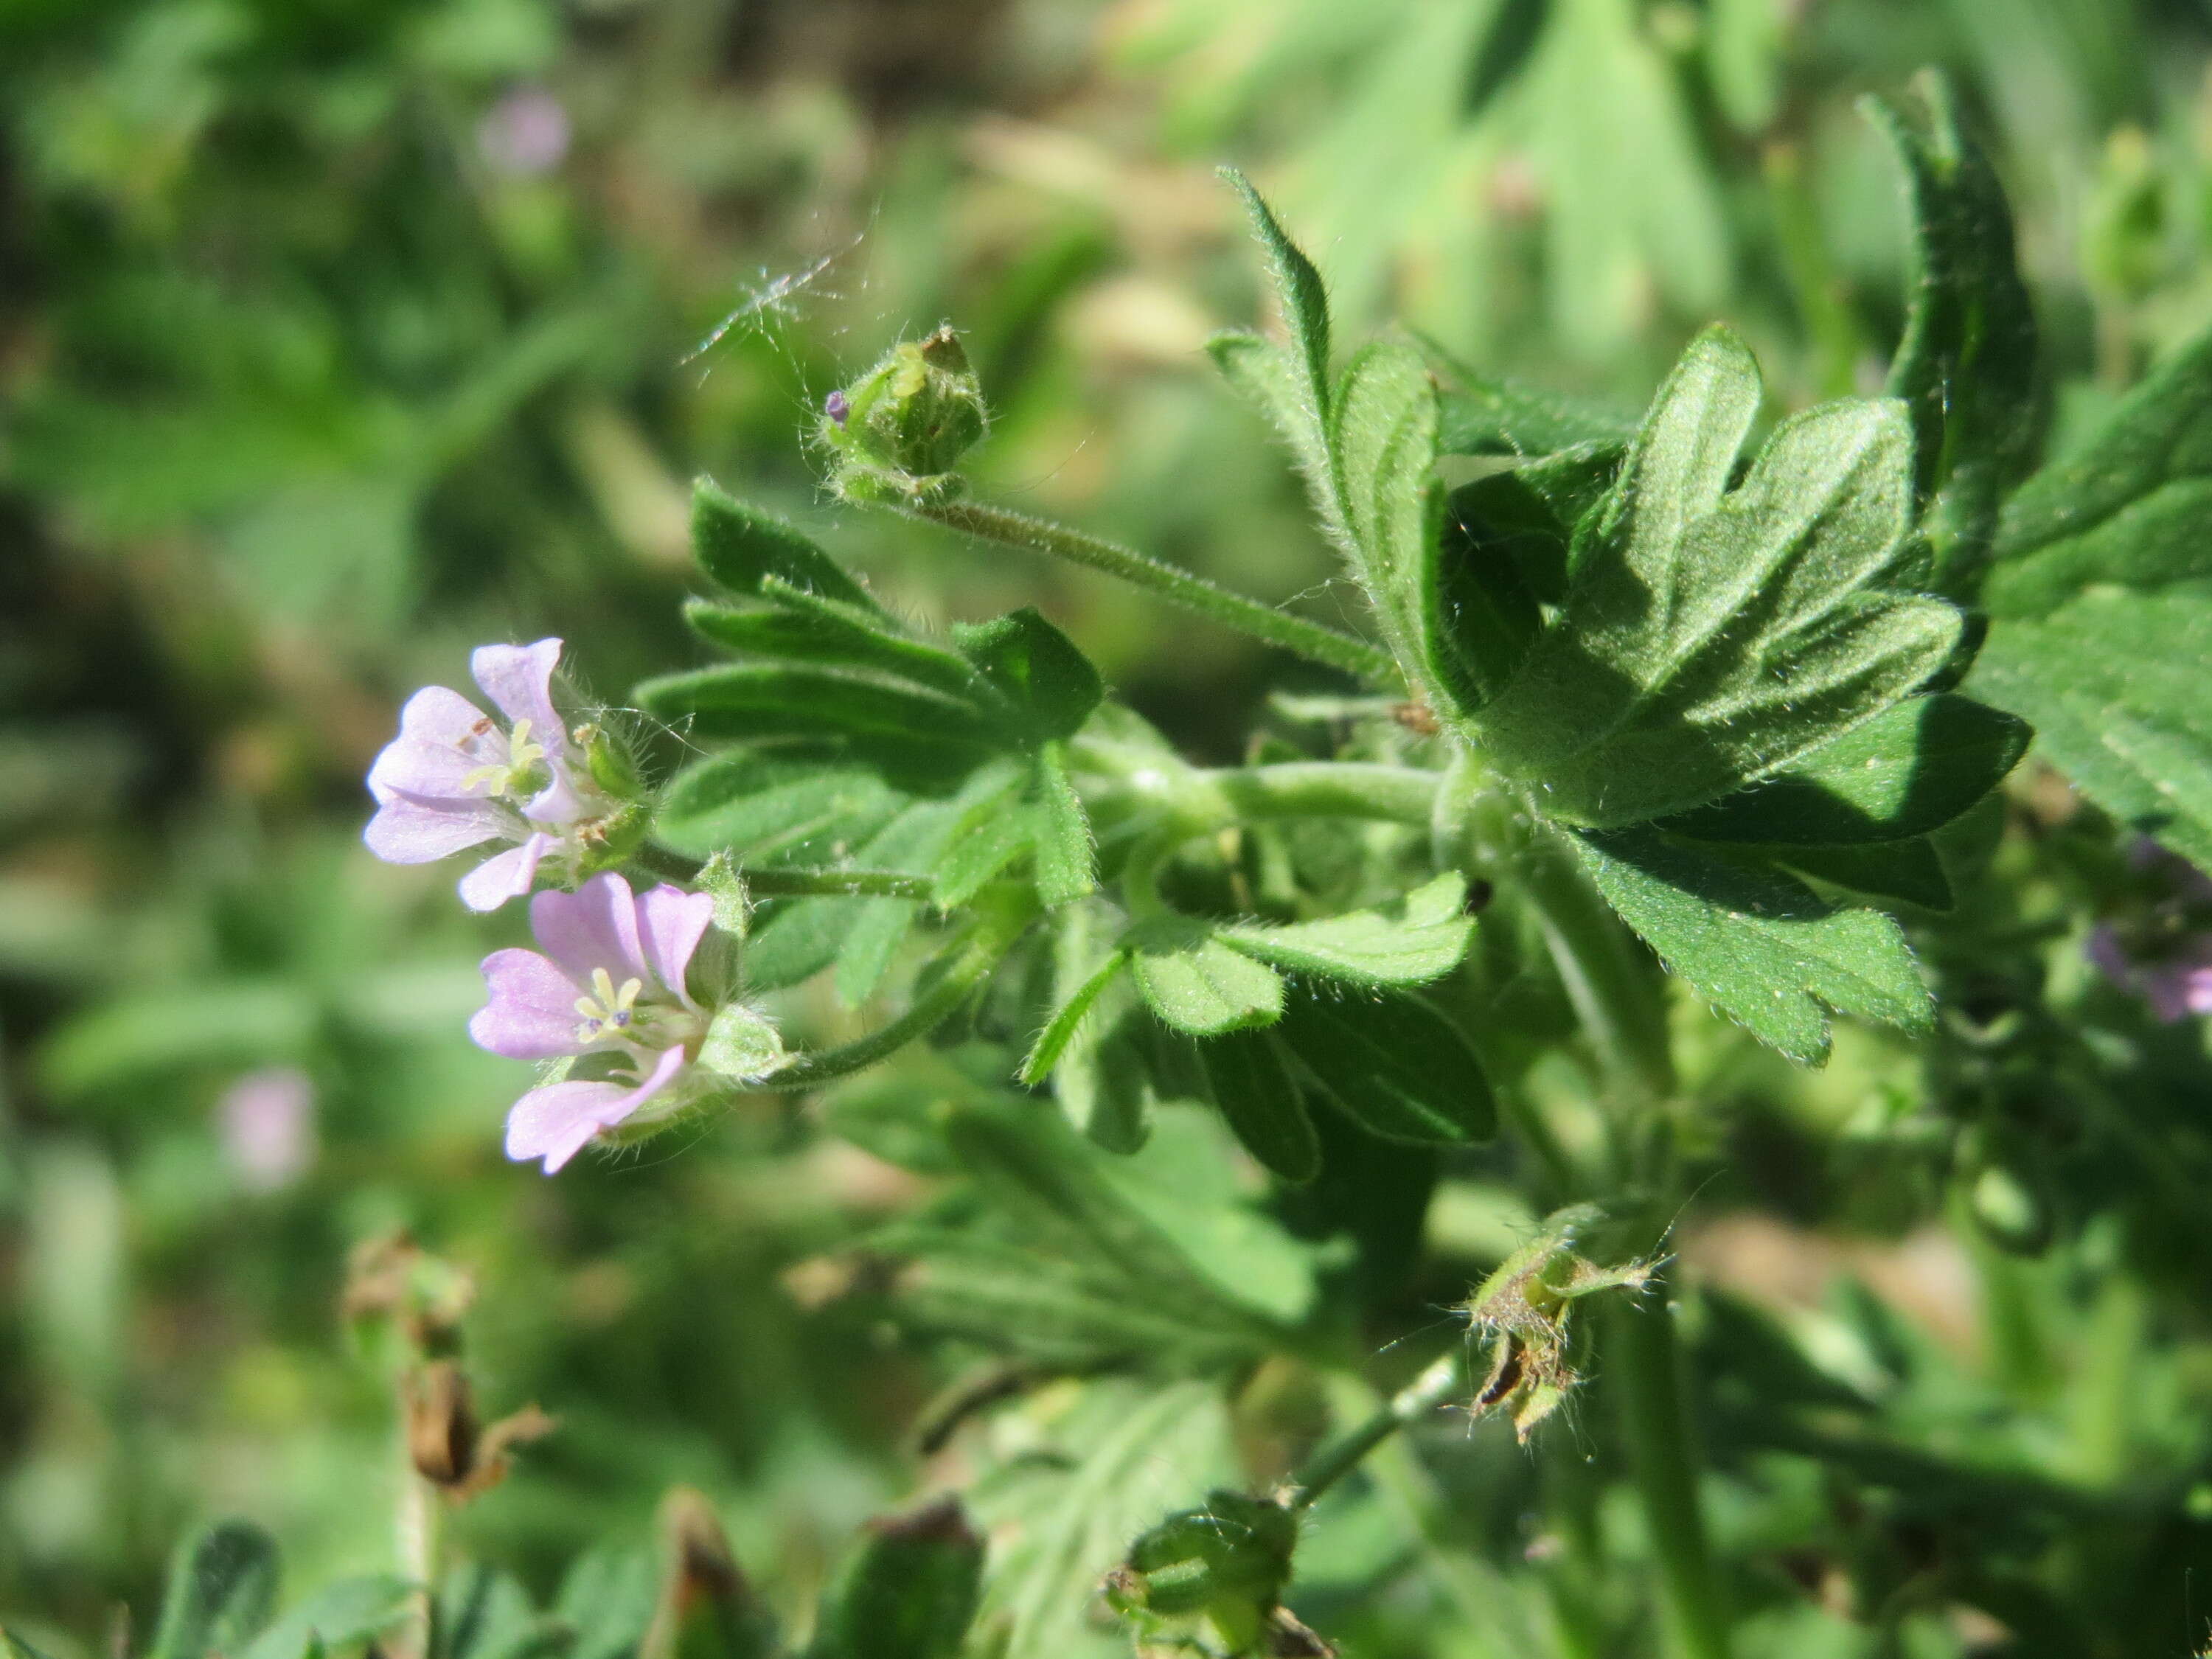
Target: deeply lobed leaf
1713,636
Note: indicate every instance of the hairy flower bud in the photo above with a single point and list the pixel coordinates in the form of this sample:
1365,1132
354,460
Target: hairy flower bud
1212,1574
900,430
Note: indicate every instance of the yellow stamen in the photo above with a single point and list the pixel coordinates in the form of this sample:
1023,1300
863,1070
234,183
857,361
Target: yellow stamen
510,776
609,1011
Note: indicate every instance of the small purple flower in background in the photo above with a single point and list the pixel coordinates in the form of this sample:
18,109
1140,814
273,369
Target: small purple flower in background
455,778
838,407
525,135
267,1121
610,982
2166,957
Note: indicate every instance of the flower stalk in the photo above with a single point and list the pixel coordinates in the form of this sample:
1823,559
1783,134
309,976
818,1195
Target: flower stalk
1315,641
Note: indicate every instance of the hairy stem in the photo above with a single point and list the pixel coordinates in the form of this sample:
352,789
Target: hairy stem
1409,1405
1198,800
960,980
1312,640
1619,1001
1644,1375
788,882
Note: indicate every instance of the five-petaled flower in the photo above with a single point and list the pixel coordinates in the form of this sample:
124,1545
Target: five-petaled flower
455,778
610,982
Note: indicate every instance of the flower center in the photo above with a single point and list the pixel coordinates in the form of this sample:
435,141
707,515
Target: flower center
609,1011
522,773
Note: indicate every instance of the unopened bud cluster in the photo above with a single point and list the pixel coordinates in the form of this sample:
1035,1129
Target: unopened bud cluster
899,432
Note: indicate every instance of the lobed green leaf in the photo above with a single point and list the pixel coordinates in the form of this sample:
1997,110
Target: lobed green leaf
1251,1082
1757,944
741,547
1197,984
1910,770
1967,367
1422,937
1394,1065
1712,637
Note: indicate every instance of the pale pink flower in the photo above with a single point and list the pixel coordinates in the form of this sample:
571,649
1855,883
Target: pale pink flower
526,134
608,979
456,778
267,1122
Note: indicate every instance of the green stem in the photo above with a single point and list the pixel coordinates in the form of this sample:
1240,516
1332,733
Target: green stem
1409,1405
930,1010
417,1536
1644,1374
1197,800
788,882
1619,1001
1321,643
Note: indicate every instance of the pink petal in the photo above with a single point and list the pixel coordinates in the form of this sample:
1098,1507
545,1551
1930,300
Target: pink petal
2167,990
443,736
555,1122
671,922
440,715
594,927
506,876
557,802
406,830
519,679
2197,992
531,1014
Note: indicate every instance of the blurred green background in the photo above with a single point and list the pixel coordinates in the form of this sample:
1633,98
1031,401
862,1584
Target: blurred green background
338,336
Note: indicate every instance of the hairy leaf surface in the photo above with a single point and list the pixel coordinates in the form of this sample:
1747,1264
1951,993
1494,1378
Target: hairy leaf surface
1758,945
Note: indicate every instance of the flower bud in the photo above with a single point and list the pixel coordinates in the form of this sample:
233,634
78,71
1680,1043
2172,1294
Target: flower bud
608,759
900,430
1211,1575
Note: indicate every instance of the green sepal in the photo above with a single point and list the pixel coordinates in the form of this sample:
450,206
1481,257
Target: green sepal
1251,1082
1909,770
741,547
1197,984
1756,942
907,423
1393,1065
1208,1576
742,1045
